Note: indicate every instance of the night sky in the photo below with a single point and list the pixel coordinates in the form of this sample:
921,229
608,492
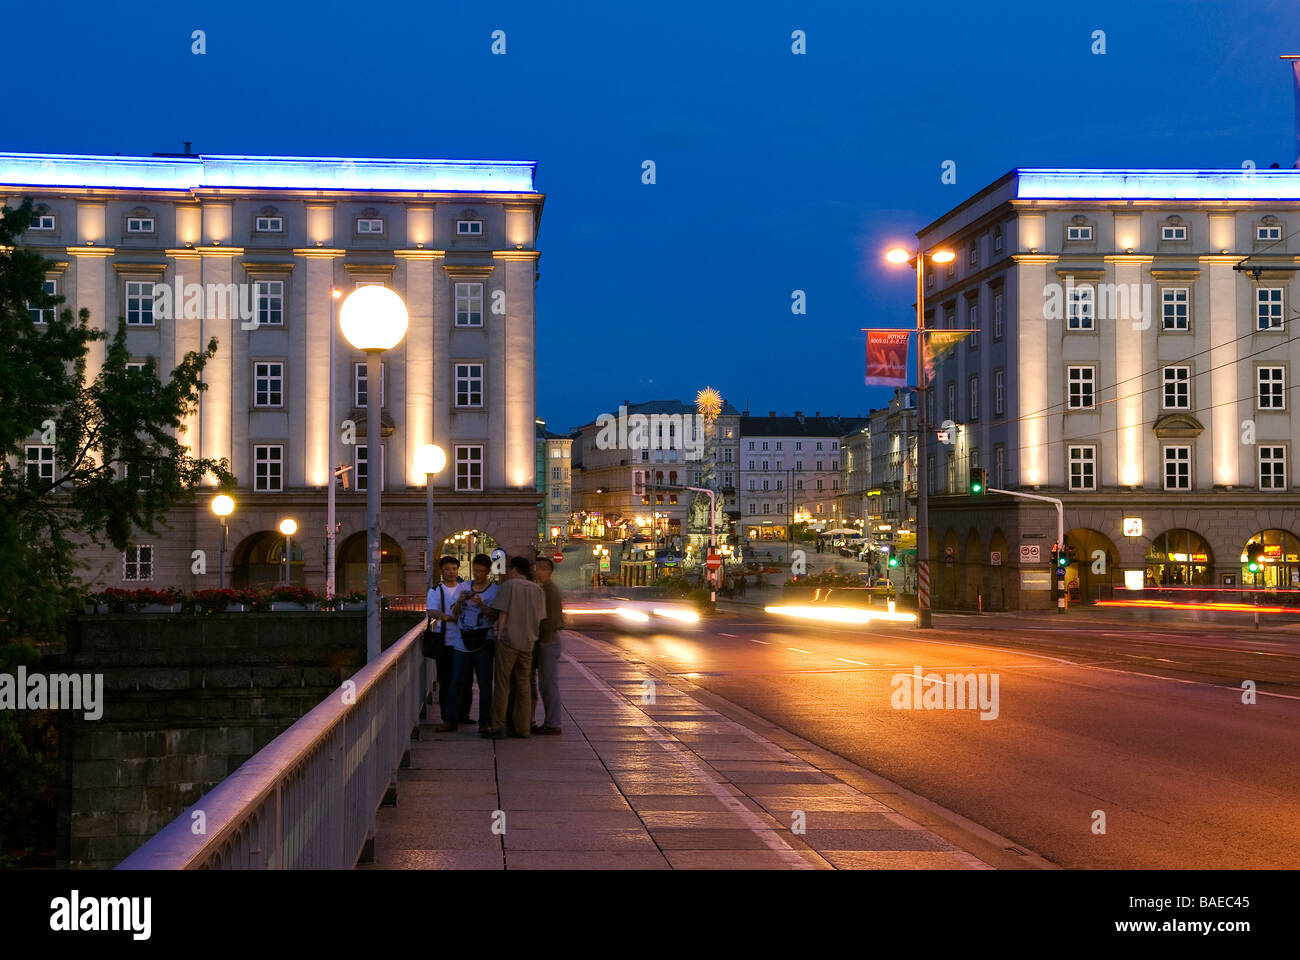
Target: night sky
775,172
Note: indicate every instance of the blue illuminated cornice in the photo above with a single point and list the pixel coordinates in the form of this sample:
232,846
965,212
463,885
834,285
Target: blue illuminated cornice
266,173
1073,184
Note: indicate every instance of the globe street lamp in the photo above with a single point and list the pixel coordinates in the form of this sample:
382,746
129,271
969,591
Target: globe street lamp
373,319
223,506
331,527
288,526
917,258
429,460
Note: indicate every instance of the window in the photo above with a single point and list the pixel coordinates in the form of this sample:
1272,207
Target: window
1078,232
835,445
362,461
779,465
1083,468
973,323
1272,388
950,406
1272,468
268,384
1082,386
139,303
42,221
765,485
798,484
1178,468
469,468
1173,232
778,446
269,225
1079,308
555,475
819,444
997,239
798,465
44,314
137,562
952,475
359,391
765,464
999,316
819,483
469,304
753,508
1268,233
134,366
972,253
139,224
780,484
1173,308
370,225
268,468
751,446
999,392
999,466
764,447
555,453
1268,308
753,484
798,444
751,464
835,464
1177,388
726,455
469,228
269,295
930,474
974,409
469,386
819,464
40,463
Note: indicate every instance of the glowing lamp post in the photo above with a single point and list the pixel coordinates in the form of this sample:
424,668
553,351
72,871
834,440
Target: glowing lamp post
373,319
223,506
917,258
429,460
288,526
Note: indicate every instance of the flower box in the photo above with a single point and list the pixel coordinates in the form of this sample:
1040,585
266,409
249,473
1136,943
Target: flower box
158,608
352,607
286,606
92,608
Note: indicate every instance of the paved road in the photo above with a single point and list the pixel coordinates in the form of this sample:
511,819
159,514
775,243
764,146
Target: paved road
1144,723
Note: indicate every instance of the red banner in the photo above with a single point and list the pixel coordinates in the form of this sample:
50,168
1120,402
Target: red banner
887,357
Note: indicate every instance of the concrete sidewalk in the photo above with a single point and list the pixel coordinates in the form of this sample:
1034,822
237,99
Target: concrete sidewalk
633,785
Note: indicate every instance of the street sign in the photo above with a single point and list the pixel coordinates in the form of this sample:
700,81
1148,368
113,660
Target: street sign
948,555
1132,526
1029,553
995,558
604,563
1060,573
557,556
713,562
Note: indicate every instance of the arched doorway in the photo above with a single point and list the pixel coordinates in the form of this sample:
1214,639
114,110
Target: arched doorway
258,561
1179,558
351,566
973,565
1277,559
1093,570
464,545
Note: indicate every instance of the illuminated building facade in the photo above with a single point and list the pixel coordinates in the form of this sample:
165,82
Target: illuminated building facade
456,239
1133,358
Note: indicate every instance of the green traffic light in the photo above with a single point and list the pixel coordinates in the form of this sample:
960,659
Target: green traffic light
1253,567
893,561
976,488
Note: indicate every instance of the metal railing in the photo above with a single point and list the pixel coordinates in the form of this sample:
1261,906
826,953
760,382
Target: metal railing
308,799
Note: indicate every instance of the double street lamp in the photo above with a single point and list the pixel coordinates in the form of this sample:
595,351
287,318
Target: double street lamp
917,259
373,319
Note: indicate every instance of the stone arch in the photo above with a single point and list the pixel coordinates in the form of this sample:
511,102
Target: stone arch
1278,560
258,561
1088,549
350,565
1179,557
464,544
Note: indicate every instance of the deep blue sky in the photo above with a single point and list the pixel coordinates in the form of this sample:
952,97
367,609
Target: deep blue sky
775,172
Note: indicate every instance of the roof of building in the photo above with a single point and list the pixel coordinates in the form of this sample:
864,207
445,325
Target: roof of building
663,407
799,426
180,172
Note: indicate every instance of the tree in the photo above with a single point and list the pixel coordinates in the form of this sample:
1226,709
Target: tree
120,460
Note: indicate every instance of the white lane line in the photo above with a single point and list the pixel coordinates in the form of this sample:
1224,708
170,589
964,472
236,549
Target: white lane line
732,635
847,660
797,650
1092,666
763,642
771,839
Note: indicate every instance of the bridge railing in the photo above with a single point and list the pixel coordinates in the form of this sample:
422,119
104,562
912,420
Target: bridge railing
308,799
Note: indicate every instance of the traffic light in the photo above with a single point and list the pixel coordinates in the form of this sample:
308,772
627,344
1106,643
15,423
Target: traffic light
979,480
1062,560
1253,552
893,561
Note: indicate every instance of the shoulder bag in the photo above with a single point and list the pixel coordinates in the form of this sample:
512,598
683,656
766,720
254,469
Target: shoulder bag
433,642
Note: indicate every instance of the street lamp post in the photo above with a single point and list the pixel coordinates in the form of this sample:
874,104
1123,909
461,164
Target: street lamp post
331,527
373,319
898,255
429,460
288,526
223,506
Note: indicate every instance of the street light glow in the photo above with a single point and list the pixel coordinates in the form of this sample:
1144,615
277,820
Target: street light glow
943,256
430,459
223,505
288,526
898,255
373,318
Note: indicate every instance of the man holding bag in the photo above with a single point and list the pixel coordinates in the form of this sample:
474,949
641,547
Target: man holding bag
441,635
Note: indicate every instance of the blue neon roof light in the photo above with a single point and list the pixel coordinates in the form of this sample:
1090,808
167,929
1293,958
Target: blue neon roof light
273,173
1078,184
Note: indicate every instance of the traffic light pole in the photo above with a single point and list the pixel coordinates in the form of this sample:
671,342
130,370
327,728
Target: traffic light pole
1060,529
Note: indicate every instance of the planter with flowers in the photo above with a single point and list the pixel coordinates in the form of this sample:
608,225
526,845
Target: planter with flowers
346,602
293,599
222,601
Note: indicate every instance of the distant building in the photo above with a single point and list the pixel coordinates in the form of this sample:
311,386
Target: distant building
555,483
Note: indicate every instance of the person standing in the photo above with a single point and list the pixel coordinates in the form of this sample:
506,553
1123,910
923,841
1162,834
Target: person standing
546,655
439,605
474,645
521,608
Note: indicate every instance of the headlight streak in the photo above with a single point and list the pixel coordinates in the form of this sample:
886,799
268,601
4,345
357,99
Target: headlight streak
826,614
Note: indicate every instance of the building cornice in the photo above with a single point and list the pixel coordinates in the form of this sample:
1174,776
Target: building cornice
516,254
420,254
319,252
90,251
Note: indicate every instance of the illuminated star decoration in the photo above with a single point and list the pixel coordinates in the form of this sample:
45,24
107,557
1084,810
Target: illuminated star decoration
709,403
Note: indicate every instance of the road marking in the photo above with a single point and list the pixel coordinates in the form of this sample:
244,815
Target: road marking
797,650
732,635
771,839
847,660
763,642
